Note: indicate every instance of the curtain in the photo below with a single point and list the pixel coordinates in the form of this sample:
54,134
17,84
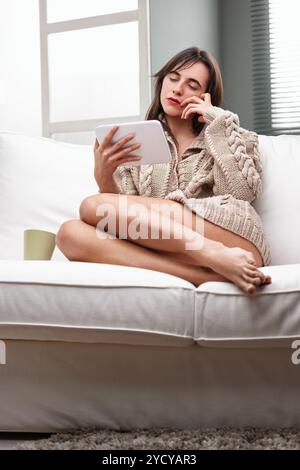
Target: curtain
276,66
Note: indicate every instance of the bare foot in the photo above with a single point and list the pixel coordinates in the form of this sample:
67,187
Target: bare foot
238,266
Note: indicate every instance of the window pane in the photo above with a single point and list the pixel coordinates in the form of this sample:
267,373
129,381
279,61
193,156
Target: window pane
285,63
62,10
94,73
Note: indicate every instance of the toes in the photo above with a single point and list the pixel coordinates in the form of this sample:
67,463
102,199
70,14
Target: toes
268,279
252,267
256,277
252,271
257,281
253,280
251,259
261,276
249,289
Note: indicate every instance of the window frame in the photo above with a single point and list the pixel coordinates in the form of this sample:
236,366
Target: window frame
141,15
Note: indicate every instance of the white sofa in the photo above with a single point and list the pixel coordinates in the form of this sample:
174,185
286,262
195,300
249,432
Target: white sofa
117,347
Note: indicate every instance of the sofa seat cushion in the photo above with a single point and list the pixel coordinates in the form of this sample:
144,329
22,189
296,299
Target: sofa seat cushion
93,302
225,317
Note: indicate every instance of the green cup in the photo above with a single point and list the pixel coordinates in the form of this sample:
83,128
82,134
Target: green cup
38,244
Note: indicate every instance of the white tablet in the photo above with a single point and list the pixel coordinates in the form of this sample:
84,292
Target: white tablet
150,134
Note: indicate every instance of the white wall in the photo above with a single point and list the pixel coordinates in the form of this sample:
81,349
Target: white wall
178,24
237,59
20,92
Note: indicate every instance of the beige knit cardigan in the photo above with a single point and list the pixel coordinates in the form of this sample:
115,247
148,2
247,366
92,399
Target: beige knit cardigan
218,177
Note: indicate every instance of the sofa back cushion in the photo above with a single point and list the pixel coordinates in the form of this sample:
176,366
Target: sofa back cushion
42,183
279,205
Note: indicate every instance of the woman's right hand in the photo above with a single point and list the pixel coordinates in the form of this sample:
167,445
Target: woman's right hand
109,156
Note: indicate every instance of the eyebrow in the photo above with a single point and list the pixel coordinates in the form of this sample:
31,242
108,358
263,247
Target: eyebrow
191,79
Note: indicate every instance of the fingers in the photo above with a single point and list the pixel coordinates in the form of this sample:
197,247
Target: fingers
191,108
206,97
190,101
111,149
125,152
122,142
96,145
107,139
190,111
131,158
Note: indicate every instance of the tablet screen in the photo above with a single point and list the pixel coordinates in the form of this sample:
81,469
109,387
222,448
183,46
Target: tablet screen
150,134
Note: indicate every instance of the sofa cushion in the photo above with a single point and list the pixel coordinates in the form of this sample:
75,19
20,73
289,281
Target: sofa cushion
225,317
279,205
42,183
91,302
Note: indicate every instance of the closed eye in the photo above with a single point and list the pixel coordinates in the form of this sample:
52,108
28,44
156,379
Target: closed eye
192,88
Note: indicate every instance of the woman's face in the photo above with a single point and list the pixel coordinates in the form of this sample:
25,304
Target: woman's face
183,84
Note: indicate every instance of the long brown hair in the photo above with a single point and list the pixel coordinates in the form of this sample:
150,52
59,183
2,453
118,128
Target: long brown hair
180,61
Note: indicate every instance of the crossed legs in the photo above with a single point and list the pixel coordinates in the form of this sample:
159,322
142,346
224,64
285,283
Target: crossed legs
221,255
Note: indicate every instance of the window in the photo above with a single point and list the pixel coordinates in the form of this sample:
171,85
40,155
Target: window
59,10
276,66
95,65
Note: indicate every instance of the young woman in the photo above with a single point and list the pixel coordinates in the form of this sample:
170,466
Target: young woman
214,176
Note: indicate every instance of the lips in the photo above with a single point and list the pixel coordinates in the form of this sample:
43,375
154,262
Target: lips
173,101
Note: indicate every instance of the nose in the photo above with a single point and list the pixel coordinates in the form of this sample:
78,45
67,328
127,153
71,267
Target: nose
177,88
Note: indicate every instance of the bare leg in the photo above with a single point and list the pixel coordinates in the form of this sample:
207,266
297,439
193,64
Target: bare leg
235,264
79,242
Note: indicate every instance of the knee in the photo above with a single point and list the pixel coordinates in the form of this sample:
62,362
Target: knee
66,238
88,207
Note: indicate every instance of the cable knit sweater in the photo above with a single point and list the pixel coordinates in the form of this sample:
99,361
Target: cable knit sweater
218,177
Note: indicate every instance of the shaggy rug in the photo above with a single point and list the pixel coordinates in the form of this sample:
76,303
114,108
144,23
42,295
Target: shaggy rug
168,439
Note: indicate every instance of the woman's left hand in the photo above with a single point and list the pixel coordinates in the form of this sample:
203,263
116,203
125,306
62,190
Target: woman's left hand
194,104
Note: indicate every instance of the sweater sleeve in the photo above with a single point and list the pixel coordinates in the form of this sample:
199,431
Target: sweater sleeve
237,168
124,179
